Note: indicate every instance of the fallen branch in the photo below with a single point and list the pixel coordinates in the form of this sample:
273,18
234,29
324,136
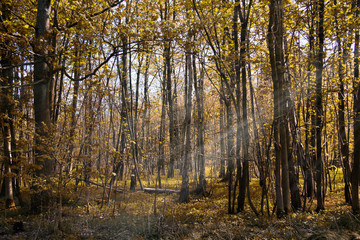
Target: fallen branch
156,190
99,185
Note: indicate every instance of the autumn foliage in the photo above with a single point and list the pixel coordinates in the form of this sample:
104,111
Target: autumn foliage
181,119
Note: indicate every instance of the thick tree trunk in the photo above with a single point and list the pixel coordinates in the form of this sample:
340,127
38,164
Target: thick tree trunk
6,108
275,44
355,175
42,79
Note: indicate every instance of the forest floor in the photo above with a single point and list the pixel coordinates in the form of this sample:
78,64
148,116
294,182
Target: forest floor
138,215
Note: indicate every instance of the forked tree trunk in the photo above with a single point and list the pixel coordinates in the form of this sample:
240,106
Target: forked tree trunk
275,45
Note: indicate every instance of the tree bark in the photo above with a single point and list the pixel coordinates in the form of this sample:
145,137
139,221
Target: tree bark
6,108
199,93
318,107
184,192
356,164
275,45
42,79
343,140
222,138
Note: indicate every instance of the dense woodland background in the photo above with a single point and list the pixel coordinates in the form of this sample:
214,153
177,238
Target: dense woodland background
260,95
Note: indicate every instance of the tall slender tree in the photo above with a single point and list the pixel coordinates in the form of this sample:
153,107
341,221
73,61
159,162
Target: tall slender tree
42,79
318,105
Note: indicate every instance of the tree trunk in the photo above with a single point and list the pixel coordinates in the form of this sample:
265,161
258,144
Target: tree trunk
42,79
356,164
343,141
73,116
222,137
184,192
318,108
161,157
244,185
171,112
6,109
199,92
275,44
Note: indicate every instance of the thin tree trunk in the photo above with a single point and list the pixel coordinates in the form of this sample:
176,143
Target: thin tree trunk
73,116
171,112
199,92
318,108
244,185
222,137
161,157
184,192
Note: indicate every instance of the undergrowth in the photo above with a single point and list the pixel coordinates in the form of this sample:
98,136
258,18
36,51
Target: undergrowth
139,215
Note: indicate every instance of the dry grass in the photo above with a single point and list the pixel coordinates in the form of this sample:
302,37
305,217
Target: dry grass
132,215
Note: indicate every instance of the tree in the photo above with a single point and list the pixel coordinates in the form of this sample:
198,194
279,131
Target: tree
6,109
356,164
275,45
199,93
42,80
318,105
343,140
189,79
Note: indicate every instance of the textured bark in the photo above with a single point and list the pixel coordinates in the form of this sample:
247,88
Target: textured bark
42,79
73,117
318,107
297,153
244,186
230,151
356,164
6,108
171,113
222,138
118,164
161,158
157,190
275,45
199,92
343,140
184,192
